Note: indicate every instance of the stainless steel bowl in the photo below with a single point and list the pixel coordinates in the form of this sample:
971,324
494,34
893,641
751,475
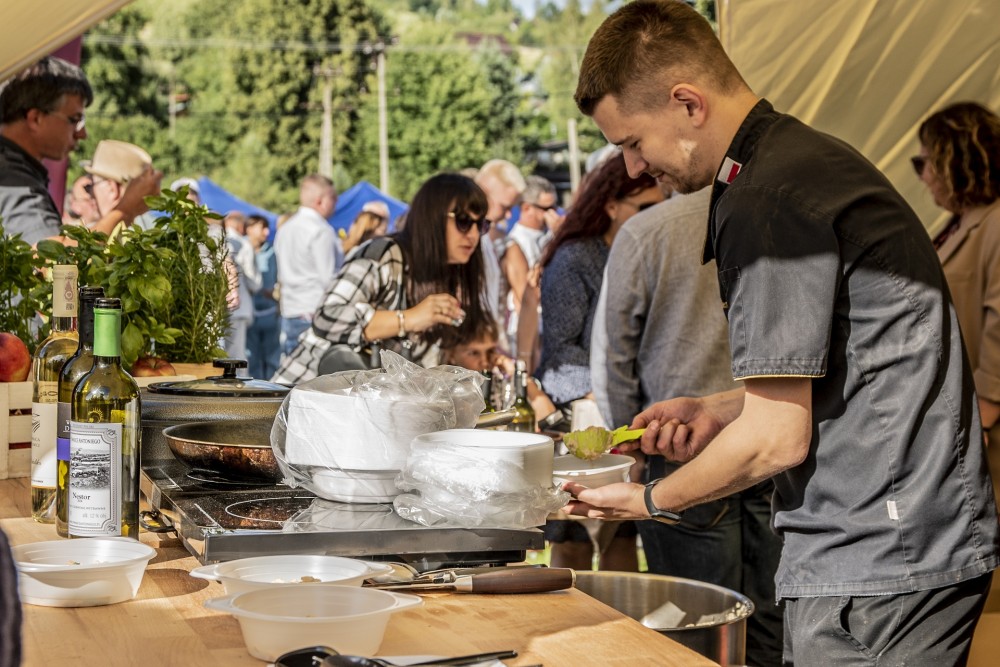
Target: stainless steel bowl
652,599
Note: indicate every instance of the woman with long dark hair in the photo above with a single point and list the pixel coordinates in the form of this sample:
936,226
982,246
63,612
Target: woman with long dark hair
573,269
412,292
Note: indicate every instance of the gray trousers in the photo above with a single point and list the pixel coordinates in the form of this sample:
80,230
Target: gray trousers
932,628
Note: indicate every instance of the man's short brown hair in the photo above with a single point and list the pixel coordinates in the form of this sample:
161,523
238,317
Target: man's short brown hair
647,46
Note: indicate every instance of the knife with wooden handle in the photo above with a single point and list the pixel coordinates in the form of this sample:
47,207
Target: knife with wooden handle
506,580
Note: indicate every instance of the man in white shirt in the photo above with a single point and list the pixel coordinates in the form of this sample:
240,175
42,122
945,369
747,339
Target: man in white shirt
308,253
248,278
503,184
525,242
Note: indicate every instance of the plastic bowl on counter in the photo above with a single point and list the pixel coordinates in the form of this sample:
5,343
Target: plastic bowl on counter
355,486
265,572
84,572
280,619
607,469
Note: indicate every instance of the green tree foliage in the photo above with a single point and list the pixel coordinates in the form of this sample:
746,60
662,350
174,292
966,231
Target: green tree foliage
270,67
130,102
449,107
467,80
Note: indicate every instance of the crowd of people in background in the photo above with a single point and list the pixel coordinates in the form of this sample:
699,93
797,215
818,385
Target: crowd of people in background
603,297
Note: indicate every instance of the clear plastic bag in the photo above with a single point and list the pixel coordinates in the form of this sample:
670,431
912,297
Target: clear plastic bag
452,486
344,436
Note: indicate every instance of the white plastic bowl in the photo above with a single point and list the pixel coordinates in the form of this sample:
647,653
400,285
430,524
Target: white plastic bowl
531,452
608,469
280,619
355,486
81,572
251,574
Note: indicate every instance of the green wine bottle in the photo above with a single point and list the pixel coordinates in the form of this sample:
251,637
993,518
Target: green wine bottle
48,360
486,385
103,496
74,369
524,420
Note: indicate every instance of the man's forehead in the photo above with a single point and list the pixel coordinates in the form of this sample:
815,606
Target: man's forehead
480,345
547,198
70,103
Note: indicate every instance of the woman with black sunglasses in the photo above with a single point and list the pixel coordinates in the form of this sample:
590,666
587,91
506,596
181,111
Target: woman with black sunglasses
959,162
412,292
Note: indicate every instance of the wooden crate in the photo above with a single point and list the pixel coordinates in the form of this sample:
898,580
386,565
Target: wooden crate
15,429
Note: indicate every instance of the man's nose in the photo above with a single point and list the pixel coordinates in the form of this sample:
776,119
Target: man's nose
634,163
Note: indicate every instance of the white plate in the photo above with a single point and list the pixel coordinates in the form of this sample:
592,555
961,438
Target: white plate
82,572
608,469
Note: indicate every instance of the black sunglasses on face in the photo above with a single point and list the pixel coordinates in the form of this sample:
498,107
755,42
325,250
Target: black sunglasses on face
542,208
464,222
919,162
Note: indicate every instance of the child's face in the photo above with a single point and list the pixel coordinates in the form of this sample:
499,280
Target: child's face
478,355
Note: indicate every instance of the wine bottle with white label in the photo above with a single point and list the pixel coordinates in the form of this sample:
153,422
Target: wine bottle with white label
74,369
48,360
104,439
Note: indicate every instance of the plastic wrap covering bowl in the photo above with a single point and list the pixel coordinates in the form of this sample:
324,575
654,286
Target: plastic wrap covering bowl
469,478
277,620
344,436
529,452
355,486
81,573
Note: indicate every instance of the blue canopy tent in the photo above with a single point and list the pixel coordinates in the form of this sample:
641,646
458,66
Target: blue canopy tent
220,200
350,201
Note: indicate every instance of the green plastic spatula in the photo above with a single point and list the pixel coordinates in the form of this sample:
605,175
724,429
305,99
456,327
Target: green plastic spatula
593,441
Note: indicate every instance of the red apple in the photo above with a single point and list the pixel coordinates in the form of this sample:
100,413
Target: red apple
152,367
15,360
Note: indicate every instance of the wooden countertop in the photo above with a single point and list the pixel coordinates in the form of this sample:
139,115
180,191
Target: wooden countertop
167,624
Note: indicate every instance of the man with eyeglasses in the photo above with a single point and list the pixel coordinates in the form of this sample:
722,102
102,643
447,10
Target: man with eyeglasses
524,243
42,117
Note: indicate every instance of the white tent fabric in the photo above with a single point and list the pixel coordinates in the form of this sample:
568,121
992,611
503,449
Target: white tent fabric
29,29
868,71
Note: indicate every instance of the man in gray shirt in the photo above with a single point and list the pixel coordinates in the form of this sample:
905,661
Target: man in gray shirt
667,336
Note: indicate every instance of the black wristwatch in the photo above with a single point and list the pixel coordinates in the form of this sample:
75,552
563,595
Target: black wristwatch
656,514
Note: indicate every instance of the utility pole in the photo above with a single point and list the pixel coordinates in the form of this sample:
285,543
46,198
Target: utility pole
383,123
172,105
326,131
327,74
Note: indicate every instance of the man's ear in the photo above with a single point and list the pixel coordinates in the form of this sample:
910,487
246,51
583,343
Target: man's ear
33,117
692,99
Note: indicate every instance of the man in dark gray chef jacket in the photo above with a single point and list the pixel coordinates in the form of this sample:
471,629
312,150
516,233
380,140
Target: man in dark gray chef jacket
858,398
